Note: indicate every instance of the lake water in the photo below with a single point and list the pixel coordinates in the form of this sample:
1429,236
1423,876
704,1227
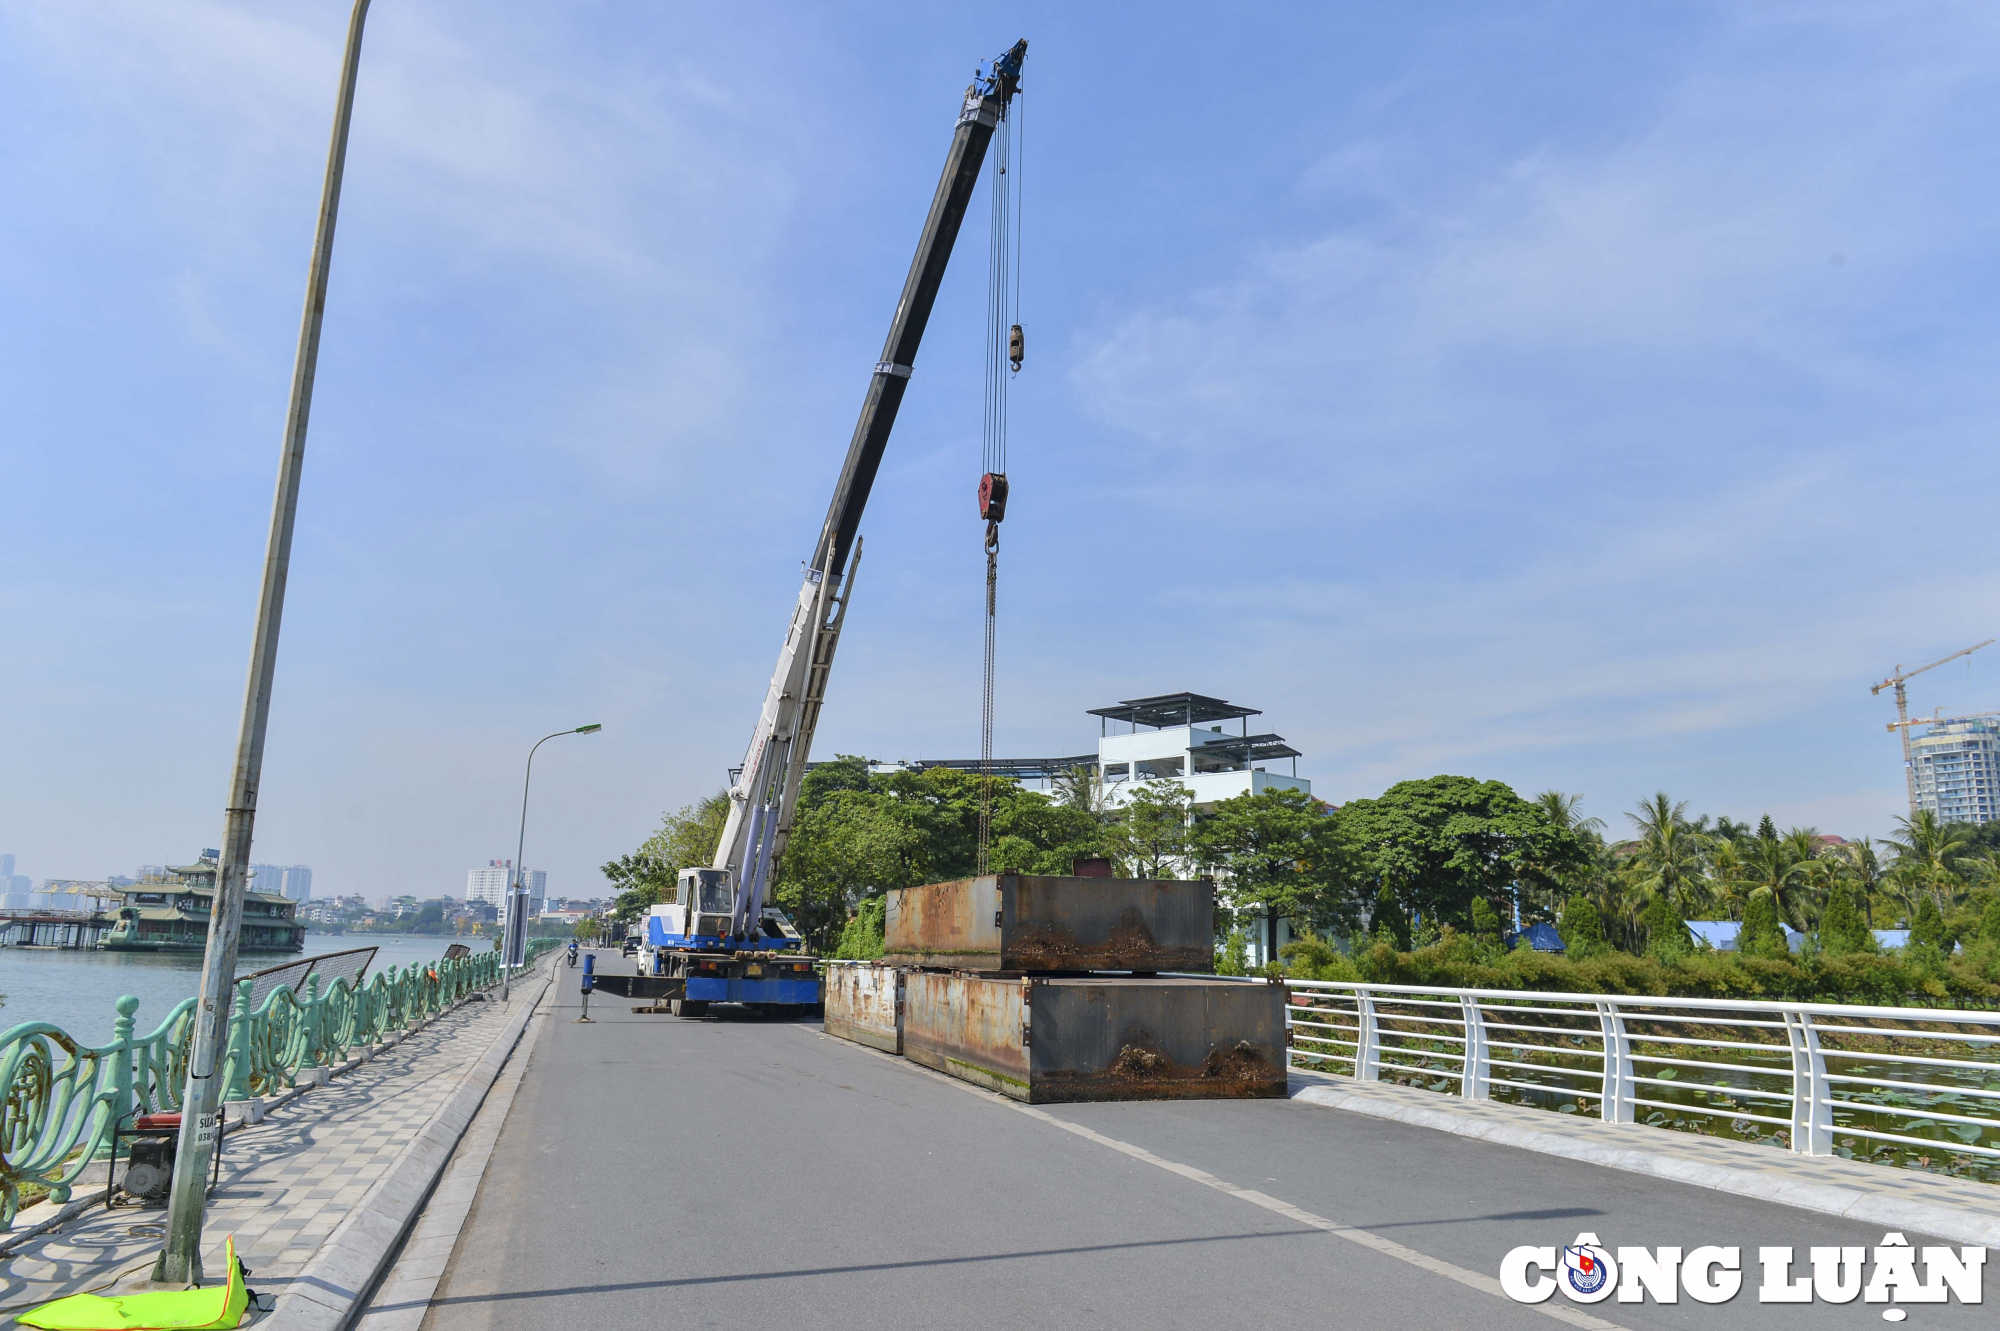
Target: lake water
79,991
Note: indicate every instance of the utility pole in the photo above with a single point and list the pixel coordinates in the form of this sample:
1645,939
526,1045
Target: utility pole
180,1260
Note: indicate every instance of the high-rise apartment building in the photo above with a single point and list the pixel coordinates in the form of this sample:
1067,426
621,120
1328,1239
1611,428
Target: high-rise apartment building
286,880
1957,769
490,884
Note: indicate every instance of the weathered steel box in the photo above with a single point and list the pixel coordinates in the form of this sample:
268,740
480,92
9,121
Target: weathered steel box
1022,922
1099,1038
864,1003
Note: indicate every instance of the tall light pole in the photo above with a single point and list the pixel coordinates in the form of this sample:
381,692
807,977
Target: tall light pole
509,931
180,1260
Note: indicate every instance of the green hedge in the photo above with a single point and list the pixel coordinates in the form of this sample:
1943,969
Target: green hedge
1913,975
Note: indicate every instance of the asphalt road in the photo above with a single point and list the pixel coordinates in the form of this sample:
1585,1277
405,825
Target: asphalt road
657,1172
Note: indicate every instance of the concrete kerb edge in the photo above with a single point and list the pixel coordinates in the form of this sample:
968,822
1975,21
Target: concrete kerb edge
335,1285
1960,1225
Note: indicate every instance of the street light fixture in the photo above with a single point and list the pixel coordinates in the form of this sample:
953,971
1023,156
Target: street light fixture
509,931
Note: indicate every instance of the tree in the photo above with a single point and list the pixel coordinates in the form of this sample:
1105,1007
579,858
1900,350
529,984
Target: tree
1486,922
1285,855
1927,855
1864,869
1841,928
1080,787
1761,935
1581,928
1668,860
1439,842
687,839
1153,829
1666,932
640,881
1928,928
1387,922
1989,923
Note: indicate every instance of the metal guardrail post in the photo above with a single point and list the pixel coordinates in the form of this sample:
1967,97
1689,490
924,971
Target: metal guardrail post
1616,1106
1812,1109
1367,1039
1475,1079
122,1100
238,1087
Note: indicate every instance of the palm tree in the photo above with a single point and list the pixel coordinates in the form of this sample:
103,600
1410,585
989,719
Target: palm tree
1729,877
1563,811
1079,787
1864,871
1670,856
1927,856
1772,861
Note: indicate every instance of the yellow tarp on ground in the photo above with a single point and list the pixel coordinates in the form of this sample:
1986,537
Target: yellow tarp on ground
168,1310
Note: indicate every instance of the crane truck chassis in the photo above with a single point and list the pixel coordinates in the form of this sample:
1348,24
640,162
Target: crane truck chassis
717,939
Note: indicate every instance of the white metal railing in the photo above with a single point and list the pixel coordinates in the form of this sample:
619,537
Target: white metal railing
1818,1078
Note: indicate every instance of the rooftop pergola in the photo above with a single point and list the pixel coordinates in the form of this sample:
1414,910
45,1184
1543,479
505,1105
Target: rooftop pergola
1174,709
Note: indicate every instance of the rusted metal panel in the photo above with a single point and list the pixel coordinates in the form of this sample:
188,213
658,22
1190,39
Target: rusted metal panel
864,1003
968,1026
1026,922
1048,1040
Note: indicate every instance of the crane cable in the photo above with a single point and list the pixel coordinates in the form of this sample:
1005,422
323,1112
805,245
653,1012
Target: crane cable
1005,348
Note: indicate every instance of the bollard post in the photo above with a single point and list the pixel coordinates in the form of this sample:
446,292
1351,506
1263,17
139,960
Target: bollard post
589,972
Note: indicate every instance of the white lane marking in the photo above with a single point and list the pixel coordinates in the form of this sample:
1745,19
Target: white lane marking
1485,1284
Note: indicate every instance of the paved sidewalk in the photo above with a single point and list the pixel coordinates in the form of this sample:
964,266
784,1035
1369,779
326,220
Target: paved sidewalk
1963,1210
287,1182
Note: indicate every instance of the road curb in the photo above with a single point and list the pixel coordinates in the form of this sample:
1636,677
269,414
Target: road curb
1613,1147
330,1292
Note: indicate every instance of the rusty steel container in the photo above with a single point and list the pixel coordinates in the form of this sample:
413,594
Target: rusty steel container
864,1003
1024,922
1046,1039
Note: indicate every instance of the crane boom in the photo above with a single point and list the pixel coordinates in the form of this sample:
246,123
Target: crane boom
763,801
1902,722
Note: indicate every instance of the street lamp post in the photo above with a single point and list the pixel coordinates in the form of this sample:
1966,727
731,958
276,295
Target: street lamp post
509,936
180,1260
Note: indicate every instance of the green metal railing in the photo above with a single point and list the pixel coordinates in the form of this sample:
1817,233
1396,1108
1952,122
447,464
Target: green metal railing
62,1098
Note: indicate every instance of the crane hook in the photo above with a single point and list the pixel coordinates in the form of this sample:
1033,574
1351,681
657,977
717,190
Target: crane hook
1017,347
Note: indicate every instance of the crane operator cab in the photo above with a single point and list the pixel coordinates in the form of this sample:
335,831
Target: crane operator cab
697,912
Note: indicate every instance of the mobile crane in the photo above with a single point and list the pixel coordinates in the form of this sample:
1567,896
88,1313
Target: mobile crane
718,938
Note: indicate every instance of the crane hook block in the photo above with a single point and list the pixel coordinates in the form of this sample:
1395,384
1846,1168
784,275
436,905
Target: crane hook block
1017,347
993,496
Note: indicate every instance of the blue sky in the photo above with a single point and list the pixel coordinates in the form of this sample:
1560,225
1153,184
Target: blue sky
1596,397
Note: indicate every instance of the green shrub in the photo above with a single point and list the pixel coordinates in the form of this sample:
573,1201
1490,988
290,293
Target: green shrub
1231,954
1928,929
1666,932
1842,930
1313,958
1581,928
861,939
1761,934
1485,920
1877,978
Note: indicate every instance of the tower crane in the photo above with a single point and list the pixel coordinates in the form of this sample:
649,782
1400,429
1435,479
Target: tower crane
1903,722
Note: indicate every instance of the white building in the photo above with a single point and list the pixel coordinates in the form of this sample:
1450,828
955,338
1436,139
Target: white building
490,885
1956,765
1182,736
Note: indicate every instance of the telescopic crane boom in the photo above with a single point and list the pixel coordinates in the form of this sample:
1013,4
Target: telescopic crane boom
1902,721
763,801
